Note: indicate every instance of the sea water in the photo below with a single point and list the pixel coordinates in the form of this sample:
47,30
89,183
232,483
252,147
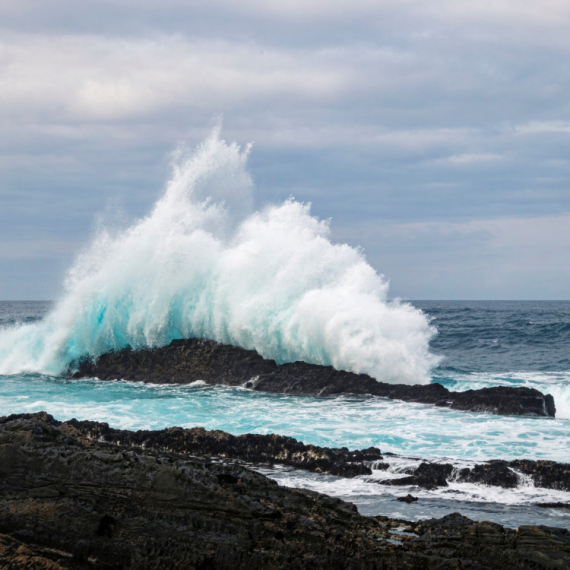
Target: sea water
205,264
413,431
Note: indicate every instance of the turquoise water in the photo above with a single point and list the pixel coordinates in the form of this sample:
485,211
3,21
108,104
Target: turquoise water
412,430
355,422
204,264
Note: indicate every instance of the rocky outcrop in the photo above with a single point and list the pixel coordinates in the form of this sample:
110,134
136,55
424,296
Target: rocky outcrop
548,474
186,361
69,501
271,449
427,475
250,448
493,473
409,499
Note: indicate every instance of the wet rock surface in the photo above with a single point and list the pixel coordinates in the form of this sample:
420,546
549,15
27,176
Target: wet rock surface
69,501
409,499
189,360
274,449
427,475
250,448
548,474
493,473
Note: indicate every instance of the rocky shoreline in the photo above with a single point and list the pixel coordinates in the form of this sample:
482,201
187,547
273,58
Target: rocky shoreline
80,495
277,449
189,360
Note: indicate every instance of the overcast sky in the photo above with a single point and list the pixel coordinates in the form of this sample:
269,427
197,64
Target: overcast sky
436,135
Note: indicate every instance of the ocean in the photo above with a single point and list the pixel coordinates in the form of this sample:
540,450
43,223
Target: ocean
205,264
483,343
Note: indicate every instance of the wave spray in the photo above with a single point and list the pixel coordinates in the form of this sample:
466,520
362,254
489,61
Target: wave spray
204,264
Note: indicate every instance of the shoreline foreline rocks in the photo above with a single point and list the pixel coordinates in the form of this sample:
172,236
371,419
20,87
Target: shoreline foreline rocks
189,360
70,502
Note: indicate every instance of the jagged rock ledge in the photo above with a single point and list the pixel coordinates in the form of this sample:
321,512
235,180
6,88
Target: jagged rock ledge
71,502
185,361
271,449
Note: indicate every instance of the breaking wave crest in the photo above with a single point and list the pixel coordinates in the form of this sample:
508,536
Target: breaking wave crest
204,264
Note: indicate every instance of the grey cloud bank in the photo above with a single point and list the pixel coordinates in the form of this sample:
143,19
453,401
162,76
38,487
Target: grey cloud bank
437,137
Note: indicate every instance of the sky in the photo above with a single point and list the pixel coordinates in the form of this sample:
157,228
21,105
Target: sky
435,135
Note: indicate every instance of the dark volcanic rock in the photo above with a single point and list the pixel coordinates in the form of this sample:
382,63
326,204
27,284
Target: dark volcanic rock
407,499
251,448
553,505
548,474
494,473
67,501
427,475
185,361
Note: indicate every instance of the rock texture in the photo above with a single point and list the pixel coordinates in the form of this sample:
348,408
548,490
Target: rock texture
270,449
68,501
185,361
427,475
548,474
494,473
250,448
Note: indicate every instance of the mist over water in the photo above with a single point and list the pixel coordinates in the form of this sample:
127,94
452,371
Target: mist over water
204,264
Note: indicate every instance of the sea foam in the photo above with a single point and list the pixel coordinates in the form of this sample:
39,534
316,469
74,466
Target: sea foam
204,264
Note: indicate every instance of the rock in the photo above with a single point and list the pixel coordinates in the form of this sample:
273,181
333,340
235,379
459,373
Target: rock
407,499
15,555
553,505
275,449
185,361
494,473
250,448
427,475
68,501
548,474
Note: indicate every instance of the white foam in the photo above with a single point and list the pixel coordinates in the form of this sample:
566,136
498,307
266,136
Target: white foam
202,264
369,486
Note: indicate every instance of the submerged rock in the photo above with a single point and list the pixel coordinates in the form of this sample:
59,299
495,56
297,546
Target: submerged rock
68,501
189,360
553,505
407,499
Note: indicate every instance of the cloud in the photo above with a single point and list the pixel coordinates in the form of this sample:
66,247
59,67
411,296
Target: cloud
503,258
470,158
91,78
380,112
539,127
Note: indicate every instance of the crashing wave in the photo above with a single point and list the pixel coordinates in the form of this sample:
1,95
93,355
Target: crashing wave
204,264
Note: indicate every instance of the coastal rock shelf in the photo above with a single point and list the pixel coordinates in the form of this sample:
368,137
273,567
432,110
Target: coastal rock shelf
271,449
68,501
189,360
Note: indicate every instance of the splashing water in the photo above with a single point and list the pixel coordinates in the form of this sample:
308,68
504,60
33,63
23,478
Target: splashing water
203,264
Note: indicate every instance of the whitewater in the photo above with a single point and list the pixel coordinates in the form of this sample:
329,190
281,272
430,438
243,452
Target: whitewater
203,264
